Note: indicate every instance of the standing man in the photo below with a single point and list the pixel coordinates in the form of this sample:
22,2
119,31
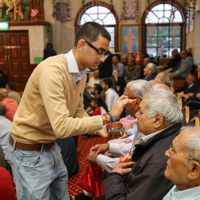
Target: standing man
51,108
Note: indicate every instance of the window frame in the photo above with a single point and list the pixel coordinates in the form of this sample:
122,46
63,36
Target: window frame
98,3
144,25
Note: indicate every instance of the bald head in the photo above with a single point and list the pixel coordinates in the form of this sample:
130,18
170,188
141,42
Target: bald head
154,82
160,86
3,93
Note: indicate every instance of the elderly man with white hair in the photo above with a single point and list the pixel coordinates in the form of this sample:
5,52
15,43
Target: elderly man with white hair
149,71
159,119
183,165
136,89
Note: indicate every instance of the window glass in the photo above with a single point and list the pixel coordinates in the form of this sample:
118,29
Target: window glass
162,39
103,16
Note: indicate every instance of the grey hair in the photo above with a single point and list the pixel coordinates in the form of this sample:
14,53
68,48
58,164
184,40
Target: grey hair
2,109
167,78
192,144
163,102
152,67
2,93
139,87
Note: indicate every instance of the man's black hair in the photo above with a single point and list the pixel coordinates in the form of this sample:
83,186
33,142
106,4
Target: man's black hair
2,109
90,32
49,45
100,102
98,87
108,82
11,85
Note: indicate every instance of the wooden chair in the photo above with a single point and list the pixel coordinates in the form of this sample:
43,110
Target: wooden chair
178,94
197,121
187,113
172,89
180,103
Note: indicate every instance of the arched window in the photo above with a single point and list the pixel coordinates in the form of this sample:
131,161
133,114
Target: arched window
164,25
102,15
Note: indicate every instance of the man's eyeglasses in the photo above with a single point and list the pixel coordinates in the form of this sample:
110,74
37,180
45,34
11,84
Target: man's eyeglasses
101,54
173,151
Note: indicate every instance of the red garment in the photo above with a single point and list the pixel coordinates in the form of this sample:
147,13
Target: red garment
7,191
11,107
97,111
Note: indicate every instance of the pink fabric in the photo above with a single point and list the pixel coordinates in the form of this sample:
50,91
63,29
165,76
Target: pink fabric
124,140
127,120
11,107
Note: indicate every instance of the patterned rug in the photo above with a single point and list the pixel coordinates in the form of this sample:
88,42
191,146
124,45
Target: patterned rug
83,149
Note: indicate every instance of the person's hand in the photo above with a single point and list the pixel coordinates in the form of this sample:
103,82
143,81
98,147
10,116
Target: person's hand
198,95
190,94
186,96
119,105
99,148
107,135
165,66
123,168
92,158
128,127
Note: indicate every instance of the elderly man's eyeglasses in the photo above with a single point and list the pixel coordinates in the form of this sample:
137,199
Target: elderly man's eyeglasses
101,54
171,150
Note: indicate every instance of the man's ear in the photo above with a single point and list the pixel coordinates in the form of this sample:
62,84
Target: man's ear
158,120
194,170
80,45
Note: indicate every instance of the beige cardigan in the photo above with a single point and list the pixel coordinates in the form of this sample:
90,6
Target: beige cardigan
52,105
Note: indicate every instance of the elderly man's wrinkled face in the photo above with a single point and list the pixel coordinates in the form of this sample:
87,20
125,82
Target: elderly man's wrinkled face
176,169
132,107
144,124
147,71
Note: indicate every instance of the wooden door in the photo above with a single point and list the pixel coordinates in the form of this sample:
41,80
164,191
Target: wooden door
3,52
16,57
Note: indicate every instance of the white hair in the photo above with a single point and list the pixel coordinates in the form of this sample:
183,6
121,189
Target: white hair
160,86
152,67
192,144
163,102
167,78
139,87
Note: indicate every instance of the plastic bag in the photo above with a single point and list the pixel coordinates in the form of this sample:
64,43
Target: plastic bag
91,180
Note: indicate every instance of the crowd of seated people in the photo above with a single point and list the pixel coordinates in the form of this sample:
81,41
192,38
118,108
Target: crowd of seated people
159,142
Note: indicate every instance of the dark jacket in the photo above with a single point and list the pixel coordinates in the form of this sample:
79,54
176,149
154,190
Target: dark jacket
173,62
146,181
3,81
105,68
186,89
132,74
150,77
